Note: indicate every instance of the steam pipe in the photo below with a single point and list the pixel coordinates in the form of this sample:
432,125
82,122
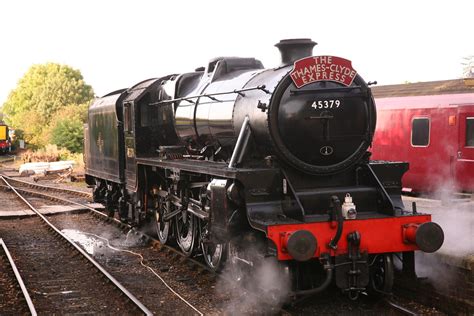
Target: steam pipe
241,142
320,288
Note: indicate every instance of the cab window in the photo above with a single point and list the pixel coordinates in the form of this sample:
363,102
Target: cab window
420,132
469,131
127,117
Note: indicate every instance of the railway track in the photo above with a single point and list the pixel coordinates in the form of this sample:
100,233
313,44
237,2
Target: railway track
7,158
40,187
400,309
16,299
98,214
33,189
69,280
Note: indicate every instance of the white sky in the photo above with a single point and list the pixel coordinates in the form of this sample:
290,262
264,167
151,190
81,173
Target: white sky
115,44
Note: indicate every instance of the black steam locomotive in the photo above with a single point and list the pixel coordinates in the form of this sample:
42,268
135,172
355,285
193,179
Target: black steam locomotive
245,164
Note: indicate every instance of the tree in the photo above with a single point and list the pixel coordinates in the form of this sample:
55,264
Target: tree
40,95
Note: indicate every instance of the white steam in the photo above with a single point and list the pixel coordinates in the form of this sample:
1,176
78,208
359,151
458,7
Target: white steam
456,218
262,292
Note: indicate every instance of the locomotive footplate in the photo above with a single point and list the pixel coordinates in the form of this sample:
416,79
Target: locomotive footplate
352,269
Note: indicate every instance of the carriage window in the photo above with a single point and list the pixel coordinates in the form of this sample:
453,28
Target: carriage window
420,132
470,132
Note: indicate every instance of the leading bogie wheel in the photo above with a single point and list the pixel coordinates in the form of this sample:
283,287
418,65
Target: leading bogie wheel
215,254
382,274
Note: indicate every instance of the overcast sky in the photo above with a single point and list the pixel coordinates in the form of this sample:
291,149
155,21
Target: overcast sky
118,43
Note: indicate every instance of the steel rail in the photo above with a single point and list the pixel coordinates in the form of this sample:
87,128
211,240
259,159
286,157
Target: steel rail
47,187
399,308
121,224
31,306
7,159
137,303
116,221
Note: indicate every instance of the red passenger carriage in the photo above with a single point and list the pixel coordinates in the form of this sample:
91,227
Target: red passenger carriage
430,125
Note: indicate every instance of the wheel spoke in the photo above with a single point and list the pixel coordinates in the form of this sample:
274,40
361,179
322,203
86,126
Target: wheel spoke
186,234
214,255
162,227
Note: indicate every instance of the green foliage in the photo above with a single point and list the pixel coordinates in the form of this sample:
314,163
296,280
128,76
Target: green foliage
66,128
41,95
19,134
68,133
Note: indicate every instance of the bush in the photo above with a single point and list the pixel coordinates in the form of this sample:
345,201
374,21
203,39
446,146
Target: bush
69,134
66,128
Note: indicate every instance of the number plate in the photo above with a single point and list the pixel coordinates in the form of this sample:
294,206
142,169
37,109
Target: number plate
326,104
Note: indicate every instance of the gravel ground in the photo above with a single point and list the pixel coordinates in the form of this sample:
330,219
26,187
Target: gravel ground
11,297
191,283
57,278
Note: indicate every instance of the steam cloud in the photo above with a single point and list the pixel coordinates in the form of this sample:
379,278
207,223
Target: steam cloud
263,292
456,217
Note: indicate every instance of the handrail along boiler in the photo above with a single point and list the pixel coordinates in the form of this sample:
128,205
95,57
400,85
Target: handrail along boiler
246,164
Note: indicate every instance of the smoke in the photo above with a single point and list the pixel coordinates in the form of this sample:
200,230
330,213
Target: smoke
457,221
456,218
263,290
441,275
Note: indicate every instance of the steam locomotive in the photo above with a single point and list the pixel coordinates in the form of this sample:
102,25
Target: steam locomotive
244,165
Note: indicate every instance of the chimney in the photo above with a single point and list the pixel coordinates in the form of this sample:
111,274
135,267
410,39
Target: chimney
294,49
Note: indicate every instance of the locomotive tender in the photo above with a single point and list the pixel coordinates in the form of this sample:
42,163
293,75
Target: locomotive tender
245,164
